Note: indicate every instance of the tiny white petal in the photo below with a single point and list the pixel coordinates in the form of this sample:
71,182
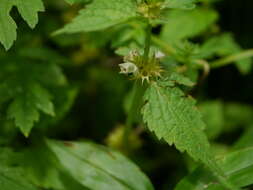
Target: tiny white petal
130,57
159,55
128,68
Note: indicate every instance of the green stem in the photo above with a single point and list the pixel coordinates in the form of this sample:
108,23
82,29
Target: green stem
147,43
232,58
138,91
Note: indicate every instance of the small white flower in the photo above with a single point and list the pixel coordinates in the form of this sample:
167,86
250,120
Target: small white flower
131,56
128,68
159,55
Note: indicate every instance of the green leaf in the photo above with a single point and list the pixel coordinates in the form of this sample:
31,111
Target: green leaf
62,105
185,24
238,166
220,45
25,108
100,15
28,10
224,45
127,36
24,88
181,79
180,4
8,35
199,179
41,171
174,117
12,178
98,167
45,171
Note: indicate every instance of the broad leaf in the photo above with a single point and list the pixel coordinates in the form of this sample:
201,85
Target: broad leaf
29,12
101,14
25,108
224,45
174,118
237,165
8,26
219,45
45,171
24,86
98,167
12,178
180,79
185,24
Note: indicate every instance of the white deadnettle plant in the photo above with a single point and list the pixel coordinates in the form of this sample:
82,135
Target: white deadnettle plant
167,111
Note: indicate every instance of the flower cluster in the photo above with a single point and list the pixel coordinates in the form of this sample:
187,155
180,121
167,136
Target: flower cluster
137,67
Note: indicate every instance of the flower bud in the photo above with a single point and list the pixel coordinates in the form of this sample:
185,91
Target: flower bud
128,68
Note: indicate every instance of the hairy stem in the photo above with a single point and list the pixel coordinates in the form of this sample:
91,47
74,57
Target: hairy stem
232,58
138,91
205,66
147,43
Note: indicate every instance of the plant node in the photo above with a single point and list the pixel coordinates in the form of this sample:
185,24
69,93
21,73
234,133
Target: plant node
150,10
137,68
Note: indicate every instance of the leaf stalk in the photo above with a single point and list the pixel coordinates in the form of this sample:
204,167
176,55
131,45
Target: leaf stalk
232,58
